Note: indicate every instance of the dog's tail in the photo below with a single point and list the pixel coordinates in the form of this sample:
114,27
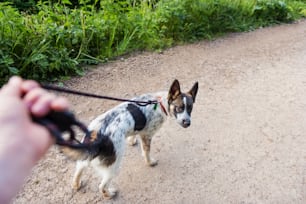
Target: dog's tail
82,153
97,145
74,154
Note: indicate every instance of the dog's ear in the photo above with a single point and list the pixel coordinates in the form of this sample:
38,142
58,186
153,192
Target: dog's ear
194,90
174,91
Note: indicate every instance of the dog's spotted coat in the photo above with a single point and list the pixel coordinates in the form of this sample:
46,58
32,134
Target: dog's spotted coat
128,120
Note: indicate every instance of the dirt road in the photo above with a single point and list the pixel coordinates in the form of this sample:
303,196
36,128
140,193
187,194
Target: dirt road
247,141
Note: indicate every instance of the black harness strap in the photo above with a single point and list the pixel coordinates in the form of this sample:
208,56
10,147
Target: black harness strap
139,117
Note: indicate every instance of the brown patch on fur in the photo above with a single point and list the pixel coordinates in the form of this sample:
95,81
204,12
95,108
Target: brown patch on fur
109,160
93,136
176,94
107,195
174,91
177,102
74,154
146,143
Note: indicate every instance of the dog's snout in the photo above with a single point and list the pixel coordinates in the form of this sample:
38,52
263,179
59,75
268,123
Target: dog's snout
186,123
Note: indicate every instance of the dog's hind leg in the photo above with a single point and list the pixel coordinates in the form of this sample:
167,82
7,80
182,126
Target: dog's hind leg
146,146
107,173
76,182
107,192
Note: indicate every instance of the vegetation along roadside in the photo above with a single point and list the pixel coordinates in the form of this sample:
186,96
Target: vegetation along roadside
52,40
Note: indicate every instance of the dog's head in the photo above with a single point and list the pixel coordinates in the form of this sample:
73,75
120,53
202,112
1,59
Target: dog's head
180,104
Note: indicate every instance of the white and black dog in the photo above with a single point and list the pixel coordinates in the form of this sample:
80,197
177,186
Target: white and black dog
128,120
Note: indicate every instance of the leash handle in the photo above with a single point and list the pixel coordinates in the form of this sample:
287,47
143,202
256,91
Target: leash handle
59,122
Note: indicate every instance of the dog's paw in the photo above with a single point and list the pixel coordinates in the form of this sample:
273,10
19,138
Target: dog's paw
132,140
76,185
109,194
153,162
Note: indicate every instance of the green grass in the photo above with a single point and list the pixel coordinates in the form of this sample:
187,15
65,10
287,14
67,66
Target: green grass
55,42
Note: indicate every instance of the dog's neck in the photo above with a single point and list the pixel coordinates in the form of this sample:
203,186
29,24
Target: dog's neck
161,97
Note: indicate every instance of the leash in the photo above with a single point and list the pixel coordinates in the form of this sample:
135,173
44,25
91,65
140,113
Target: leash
70,91
58,122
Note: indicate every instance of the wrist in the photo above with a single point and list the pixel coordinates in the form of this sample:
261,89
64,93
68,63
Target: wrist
16,161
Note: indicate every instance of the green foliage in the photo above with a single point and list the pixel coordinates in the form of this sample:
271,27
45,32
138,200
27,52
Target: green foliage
29,6
273,11
61,35
298,7
188,20
24,5
26,50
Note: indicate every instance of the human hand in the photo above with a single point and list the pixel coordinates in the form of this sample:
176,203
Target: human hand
22,142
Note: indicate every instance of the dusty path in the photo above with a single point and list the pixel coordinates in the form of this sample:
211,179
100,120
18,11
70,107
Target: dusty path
247,141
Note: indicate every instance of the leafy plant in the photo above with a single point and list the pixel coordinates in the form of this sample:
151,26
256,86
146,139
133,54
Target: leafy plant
273,11
56,40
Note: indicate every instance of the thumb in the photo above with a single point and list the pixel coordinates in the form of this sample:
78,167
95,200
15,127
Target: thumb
40,139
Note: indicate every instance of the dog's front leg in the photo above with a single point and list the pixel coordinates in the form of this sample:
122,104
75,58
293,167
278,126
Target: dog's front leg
132,140
145,146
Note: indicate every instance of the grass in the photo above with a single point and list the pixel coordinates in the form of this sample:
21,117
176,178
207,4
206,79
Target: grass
56,41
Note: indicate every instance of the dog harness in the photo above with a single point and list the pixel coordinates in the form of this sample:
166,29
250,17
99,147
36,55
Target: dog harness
138,116
161,105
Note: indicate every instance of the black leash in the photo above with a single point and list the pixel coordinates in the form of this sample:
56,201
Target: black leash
58,122
70,91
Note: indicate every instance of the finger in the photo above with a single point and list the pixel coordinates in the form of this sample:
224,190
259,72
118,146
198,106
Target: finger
13,87
40,102
43,104
29,85
60,104
32,96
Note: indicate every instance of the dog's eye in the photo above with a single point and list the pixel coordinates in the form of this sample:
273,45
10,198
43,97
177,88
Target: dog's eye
179,109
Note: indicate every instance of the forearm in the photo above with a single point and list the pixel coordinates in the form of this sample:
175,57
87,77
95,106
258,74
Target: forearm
16,161
22,142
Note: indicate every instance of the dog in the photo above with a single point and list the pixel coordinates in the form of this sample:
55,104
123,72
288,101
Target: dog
127,120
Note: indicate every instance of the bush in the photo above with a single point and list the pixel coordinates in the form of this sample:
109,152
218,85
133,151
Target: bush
59,38
24,5
28,51
274,11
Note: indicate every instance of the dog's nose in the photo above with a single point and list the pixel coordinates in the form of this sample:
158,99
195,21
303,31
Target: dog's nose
186,123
